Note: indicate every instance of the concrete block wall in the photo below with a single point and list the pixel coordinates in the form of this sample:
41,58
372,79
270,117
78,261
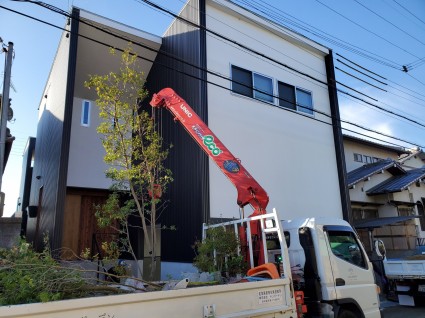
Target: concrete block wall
10,229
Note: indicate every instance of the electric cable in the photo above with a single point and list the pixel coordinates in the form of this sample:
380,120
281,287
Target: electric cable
236,43
354,69
367,30
386,20
358,78
321,34
308,116
409,11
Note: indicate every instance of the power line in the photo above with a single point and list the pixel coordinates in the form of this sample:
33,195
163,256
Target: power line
358,78
403,14
386,20
354,69
367,30
358,65
409,11
215,74
263,56
320,34
417,79
273,60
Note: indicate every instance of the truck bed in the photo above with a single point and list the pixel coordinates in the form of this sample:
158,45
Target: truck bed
268,298
402,268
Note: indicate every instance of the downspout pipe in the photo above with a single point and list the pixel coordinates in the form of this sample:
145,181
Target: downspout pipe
338,139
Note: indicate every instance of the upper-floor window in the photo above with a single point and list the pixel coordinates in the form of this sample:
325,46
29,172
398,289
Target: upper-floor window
358,157
304,101
295,98
242,81
251,84
254,85
85,113
263,88
366,159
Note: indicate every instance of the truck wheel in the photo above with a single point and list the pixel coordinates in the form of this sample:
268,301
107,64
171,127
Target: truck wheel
346,314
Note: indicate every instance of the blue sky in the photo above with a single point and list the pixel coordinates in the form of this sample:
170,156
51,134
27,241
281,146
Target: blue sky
391,31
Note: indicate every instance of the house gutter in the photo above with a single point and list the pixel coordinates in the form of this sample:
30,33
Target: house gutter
338,139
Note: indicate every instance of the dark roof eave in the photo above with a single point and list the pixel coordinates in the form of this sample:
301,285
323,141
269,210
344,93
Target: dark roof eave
401,188
393,165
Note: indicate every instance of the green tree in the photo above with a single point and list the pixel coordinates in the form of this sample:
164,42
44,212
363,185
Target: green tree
134,149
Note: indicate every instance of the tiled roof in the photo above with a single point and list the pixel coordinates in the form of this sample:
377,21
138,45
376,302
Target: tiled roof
398,183
370,169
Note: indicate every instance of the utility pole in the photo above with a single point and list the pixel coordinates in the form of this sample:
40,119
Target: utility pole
5,106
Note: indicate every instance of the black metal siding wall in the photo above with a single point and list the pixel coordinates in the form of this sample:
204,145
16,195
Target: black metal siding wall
51,156
25,187
188,195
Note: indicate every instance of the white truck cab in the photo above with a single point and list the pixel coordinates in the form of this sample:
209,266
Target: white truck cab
330,265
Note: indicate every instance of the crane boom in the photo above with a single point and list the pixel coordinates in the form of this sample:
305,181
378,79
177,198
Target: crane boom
249,190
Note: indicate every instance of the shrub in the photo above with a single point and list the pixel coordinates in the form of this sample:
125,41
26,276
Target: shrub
27,276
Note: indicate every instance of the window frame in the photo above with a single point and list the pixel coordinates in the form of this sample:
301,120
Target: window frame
296,89
255,90
83,113
358,157
249,90
234,89
294,104
304,109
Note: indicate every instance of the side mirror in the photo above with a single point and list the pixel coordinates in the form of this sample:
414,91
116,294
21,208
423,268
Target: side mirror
380,248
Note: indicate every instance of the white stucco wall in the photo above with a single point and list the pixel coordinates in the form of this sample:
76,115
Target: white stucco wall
86,167
350,148
53,98
291,156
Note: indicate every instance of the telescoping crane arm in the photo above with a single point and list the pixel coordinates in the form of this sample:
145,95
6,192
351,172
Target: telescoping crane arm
249,190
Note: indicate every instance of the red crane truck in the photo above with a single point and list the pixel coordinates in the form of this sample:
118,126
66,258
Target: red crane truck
321,257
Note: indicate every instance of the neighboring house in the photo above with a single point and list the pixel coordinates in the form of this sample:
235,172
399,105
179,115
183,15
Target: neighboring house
275,115
387,193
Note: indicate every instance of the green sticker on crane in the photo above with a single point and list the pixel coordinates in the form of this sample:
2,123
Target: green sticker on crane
209,142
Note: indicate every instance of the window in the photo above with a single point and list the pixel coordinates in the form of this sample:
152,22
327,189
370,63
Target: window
241,81
295,98
85,113
358,157
406,211
304,101
254,85
286,96
370,214
263,88
367,159
364,213
251,84
345,246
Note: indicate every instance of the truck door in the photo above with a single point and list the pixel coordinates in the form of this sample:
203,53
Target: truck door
352,273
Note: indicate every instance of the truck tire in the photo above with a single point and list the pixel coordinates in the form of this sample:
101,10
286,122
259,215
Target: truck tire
344,313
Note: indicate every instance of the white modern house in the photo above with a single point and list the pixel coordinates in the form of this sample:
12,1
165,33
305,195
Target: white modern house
261,88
